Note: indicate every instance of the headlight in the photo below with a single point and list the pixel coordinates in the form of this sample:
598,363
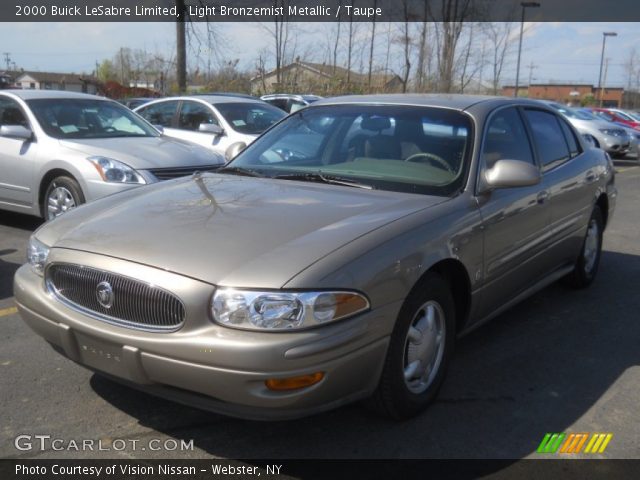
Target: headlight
608,131
37,253
259,310
114,171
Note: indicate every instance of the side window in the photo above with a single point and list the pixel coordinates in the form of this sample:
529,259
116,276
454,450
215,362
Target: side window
11,114
574,147
192,114
160,113
548,137
506,139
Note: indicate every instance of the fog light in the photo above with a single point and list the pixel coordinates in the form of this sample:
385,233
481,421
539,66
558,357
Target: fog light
294,383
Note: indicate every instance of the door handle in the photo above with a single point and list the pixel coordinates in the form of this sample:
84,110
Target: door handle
542,197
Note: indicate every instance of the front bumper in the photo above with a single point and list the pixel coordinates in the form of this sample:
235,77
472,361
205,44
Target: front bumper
210,366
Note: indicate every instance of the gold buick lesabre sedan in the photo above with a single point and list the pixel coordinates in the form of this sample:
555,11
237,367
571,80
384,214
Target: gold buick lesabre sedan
336,258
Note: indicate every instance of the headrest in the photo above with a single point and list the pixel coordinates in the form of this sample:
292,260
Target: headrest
376,124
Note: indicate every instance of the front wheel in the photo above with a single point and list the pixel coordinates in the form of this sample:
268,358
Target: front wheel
62,194
586,266
419,350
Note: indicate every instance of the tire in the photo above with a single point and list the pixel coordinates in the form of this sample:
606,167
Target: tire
61,195
429,307
586,266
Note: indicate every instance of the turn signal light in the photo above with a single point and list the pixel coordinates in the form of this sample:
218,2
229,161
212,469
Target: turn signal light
294,383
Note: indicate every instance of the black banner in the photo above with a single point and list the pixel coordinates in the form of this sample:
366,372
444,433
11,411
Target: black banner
316,10
318,469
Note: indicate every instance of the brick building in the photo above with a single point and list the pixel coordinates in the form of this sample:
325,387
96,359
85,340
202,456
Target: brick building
574,94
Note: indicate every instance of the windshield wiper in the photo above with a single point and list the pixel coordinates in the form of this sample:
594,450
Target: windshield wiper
247,172
322,178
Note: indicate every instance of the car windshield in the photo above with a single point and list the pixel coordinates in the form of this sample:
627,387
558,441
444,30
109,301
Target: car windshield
67,118
249,117
397,148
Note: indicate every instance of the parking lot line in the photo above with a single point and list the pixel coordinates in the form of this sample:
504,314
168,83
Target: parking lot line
8,311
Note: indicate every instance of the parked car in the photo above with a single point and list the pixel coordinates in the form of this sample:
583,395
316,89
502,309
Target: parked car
225,124
309,274
616,116
60,149
603,134
290,103
634,135
134,102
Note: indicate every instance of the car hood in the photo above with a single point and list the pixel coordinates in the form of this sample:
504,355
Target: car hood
144,153
230,230
592,125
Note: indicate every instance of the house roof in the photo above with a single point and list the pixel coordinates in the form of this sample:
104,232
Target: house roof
331,71
54,77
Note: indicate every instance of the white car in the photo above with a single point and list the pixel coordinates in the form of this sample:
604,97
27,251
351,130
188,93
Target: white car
225,124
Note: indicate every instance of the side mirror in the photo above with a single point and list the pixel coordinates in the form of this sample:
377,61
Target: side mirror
511,173
160,128
211,128
233,150
16,131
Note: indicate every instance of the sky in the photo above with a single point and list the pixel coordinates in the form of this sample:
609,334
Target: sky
560,52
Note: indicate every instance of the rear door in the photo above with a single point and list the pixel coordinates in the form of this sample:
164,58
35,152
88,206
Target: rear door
515,220
572,183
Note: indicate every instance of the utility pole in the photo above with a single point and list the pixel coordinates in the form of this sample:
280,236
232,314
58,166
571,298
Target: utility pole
524,6
604,41
606,69
7,59
531,68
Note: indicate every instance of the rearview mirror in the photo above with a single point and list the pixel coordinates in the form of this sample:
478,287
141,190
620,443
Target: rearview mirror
512,173
210,128
16,131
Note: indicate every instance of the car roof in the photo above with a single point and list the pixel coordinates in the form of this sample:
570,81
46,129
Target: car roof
453,101
213,99
39,94
272,96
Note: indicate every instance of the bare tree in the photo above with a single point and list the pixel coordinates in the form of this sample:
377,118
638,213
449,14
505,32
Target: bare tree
350,46
373,37
188,33
424,52
336,43
406,44
453,13
500,39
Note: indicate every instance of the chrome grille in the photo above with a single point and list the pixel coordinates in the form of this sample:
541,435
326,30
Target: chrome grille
169,173
135,304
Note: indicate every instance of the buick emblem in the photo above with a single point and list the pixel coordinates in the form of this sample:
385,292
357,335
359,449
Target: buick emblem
104,294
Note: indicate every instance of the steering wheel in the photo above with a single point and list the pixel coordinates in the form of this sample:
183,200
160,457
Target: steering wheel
431,157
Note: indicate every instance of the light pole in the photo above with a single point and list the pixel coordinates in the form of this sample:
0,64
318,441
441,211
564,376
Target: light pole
604,41
524,6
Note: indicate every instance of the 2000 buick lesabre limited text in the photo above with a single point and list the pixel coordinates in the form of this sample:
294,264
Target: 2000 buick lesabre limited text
335,259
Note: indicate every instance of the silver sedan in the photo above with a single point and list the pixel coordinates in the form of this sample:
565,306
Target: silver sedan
61,149
337,258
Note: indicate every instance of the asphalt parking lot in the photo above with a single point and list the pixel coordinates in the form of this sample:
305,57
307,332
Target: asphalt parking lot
562,361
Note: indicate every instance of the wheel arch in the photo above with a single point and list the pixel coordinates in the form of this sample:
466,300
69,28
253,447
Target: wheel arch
456,275
47,178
